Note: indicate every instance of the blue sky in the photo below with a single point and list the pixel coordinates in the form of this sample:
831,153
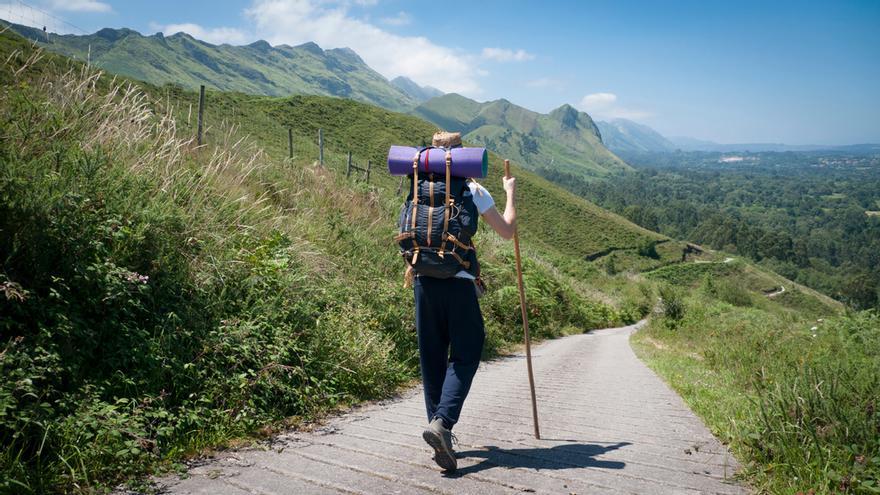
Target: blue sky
793,72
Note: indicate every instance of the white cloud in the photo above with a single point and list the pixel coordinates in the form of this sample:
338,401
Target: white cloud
399,19
330,24
598,101
505,55
216,36
81,6
604,105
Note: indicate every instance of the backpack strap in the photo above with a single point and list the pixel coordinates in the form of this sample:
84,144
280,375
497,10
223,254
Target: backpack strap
462,262
463,246
415,203
447,204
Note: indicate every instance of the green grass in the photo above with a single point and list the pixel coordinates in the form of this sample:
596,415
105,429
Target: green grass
368,131
157,299
688,274
797,406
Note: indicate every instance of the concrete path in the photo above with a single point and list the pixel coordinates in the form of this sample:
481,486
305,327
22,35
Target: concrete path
608,425
777,292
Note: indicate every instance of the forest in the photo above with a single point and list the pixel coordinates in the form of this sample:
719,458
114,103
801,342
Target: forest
813,217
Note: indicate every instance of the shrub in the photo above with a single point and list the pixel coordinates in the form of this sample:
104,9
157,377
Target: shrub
672,303
648,249
729,290
156,299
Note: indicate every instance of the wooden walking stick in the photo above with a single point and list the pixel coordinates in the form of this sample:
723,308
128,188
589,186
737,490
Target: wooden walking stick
522,305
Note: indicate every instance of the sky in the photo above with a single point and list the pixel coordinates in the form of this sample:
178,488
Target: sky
726,71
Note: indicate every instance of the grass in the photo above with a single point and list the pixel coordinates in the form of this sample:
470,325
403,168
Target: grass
794,396
160,298
368,131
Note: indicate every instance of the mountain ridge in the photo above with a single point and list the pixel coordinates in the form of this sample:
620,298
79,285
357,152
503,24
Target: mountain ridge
622,135
256,68
412,88
564,138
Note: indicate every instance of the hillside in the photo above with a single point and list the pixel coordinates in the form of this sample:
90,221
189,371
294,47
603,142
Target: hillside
161,298
622,135
565,139
257,68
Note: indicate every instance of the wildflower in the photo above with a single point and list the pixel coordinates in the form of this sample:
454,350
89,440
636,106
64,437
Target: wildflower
137,278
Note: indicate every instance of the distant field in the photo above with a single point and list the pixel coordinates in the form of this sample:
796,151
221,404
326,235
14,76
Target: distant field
163,298
834,196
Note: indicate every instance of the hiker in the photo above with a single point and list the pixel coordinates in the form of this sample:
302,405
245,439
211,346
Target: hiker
448,319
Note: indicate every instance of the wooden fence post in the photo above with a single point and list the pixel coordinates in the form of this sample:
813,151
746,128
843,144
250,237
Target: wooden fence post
369,165
201,112
289,142
348,169
321,147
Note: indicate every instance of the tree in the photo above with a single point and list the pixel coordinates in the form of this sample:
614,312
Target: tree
860,291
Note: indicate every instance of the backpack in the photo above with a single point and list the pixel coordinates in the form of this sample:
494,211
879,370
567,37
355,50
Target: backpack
436,223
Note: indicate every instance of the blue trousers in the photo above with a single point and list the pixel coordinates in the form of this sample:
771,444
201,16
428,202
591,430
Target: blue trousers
451,334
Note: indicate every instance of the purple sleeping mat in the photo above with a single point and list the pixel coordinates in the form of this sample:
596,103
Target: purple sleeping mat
466,162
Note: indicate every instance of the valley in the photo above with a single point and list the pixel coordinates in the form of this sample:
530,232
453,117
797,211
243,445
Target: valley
163,299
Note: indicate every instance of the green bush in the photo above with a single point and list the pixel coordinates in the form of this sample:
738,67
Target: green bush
157,299
672,304
648,249
729,290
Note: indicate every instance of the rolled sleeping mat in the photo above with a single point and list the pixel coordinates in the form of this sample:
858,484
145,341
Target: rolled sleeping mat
466,162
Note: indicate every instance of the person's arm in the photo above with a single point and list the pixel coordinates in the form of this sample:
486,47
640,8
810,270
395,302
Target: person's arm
504,225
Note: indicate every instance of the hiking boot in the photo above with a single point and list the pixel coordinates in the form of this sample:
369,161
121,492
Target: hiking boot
440,439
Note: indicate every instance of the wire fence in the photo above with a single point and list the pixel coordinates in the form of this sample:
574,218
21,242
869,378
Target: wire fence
18,12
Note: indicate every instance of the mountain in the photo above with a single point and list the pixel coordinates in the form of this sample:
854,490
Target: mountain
419,93
621,135
565,139
257,68
166,293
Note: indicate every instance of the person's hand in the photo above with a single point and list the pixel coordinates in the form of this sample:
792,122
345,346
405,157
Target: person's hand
509,185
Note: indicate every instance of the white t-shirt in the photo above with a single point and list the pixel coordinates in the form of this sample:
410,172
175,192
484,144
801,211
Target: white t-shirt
483,201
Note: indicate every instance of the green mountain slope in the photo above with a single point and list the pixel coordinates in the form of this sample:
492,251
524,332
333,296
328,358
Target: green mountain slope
410,87
257,68
621,135
589,230
158,298
565,139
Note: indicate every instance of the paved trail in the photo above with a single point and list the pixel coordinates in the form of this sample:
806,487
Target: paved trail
777,292
609,425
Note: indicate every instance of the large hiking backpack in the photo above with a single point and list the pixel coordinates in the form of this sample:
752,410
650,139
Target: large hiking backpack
437,222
